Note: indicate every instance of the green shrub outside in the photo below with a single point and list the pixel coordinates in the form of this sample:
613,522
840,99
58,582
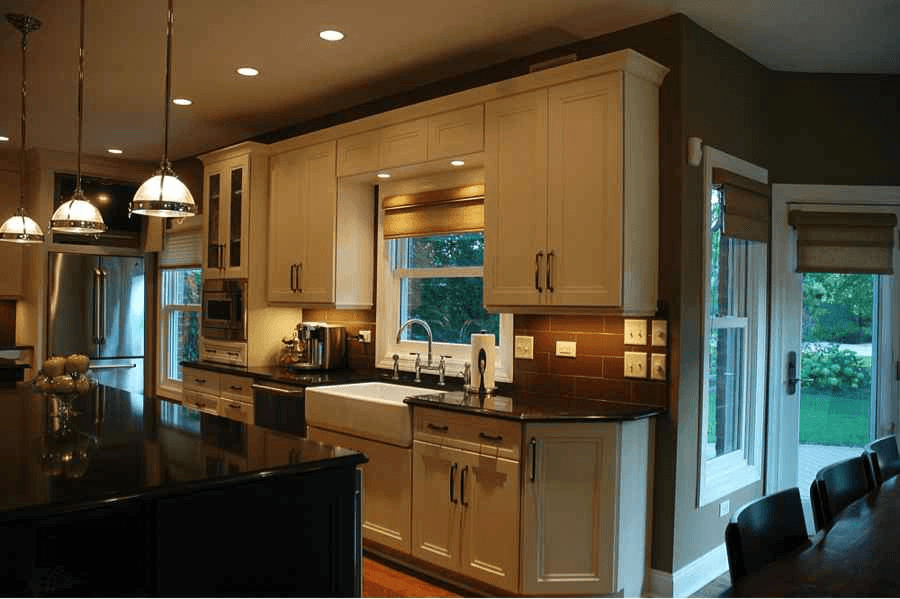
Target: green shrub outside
834,369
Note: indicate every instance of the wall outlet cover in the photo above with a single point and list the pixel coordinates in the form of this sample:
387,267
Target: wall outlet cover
366,336
565,349
635,332
724,508
659,335
658,367
636,364
524,347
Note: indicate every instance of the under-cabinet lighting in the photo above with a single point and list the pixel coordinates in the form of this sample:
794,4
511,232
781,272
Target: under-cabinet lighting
114,150
248,71
3,138
182,102
457,162
383,175
331,35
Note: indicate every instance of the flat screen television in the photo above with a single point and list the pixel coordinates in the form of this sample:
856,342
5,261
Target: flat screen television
111,197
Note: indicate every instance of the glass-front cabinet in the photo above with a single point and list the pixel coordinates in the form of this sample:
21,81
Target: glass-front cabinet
226,219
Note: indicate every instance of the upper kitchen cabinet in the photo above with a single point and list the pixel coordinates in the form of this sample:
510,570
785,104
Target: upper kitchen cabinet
229,179
456,132
321,234
572,194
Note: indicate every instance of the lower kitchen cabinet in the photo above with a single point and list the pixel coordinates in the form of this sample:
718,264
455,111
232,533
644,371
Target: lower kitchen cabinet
436,511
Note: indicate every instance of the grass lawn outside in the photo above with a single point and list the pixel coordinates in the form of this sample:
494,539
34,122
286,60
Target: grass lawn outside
840,418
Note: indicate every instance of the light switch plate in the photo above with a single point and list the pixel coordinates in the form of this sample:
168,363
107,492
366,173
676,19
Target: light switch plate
658,367
724,508
565,349
365,336
525,347
636,364
635,332
659,335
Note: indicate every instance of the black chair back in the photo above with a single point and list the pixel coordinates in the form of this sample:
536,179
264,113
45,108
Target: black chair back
840,484
884,458
815,496
764,530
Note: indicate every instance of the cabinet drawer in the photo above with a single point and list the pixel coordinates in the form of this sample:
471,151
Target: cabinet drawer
201,402
200,380
479,434
236,387
456,132
236,410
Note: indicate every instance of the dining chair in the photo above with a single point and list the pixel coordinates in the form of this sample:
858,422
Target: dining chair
764,530
839,484
884,458
815,497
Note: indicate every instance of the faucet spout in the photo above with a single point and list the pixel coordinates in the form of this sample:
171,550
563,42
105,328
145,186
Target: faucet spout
421,323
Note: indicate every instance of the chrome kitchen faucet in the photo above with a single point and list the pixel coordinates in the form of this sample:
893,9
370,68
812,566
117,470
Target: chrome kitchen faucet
440,368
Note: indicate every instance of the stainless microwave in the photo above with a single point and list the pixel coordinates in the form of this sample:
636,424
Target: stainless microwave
224,309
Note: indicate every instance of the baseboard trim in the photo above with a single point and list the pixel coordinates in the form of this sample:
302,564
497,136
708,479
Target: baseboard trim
691,578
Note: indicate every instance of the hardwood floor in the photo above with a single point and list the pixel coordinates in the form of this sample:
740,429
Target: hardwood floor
382,580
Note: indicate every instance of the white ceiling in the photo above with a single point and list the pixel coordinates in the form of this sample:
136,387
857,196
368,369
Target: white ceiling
390,46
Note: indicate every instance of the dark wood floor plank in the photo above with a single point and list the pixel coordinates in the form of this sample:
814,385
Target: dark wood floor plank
381,580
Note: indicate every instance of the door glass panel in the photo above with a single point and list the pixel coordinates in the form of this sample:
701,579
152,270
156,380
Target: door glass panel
234,233
213,254
837,389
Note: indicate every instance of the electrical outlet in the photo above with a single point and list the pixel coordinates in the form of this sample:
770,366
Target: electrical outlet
724,508
635,332
565,349
365,336
636,364
659,335
658,367
525,347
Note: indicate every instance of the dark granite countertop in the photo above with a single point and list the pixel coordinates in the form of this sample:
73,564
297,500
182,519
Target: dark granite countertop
277,374
118,444
534,407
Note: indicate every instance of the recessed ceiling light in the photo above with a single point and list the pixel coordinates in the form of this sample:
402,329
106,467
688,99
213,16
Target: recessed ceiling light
182,102
331,35
3,138
248,71
457,162
114,150
383,175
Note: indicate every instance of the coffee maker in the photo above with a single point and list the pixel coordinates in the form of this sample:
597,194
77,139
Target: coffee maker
322,346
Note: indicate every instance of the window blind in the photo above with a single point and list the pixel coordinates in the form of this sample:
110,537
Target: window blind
844,242
181,249
454,210
746,206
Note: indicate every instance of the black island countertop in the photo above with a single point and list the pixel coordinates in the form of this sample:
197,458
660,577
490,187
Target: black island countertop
510,402
119,444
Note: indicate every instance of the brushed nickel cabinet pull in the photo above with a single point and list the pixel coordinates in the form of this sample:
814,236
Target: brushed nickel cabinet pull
435,427
200,381
234,406
533,444
452,477
299,277
293,285
550,271
488,437
537,270
462,486
235,387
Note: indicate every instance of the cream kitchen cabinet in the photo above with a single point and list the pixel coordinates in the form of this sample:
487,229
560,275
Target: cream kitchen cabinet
396,145
220,394
320,233
456,132
226,222
571,196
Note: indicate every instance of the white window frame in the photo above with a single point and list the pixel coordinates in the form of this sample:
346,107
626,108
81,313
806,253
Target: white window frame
167,387
725,474
388,320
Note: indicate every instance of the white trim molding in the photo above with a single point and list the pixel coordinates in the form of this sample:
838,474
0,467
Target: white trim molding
689,579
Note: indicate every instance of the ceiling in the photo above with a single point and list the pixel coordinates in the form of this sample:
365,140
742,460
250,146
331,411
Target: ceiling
390,46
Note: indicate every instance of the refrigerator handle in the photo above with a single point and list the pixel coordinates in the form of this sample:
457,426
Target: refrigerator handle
98,304
103,277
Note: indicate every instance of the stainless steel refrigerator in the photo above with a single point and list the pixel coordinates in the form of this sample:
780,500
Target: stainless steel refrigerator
95,306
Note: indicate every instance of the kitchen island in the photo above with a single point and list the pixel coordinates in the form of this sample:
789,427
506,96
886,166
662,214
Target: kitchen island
122,494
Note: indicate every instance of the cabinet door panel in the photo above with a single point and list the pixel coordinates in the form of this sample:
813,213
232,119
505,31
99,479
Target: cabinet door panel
317,227
235,221
456,132
214,191
436,519
284,218
585,192
490,547
403,144
515,203
569,517
357,154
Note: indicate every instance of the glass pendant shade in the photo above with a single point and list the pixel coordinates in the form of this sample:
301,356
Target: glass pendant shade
19,228
77,215
162,196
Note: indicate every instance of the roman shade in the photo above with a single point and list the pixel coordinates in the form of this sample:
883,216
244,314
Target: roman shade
844,242
181,249
454,210
746,206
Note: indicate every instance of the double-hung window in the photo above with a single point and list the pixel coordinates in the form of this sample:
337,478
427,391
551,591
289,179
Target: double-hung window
179,308
431,268
734,349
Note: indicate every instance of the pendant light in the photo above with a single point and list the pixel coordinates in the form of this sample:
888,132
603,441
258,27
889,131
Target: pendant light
19,228
77,215
164,194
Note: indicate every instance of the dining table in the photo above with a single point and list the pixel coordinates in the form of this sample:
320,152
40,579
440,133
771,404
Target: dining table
859,555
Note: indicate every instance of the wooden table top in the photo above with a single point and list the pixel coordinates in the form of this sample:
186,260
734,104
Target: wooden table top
858,556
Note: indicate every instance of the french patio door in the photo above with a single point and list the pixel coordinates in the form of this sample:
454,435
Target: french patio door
833,367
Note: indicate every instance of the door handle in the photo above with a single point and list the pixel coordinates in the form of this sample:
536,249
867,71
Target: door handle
533,444
111,366
537,270
792,378
97,306
550,271
452,476
462,486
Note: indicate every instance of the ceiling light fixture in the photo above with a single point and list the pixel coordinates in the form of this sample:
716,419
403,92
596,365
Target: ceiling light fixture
248,71
114,150
181,102
383,175
19,228
164,194
331,35
457,162
77,215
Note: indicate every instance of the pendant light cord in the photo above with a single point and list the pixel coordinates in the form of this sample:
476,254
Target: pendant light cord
22,147
164,165
78,190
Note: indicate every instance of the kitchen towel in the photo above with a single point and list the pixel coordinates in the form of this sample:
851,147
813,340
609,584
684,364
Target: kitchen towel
486,342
